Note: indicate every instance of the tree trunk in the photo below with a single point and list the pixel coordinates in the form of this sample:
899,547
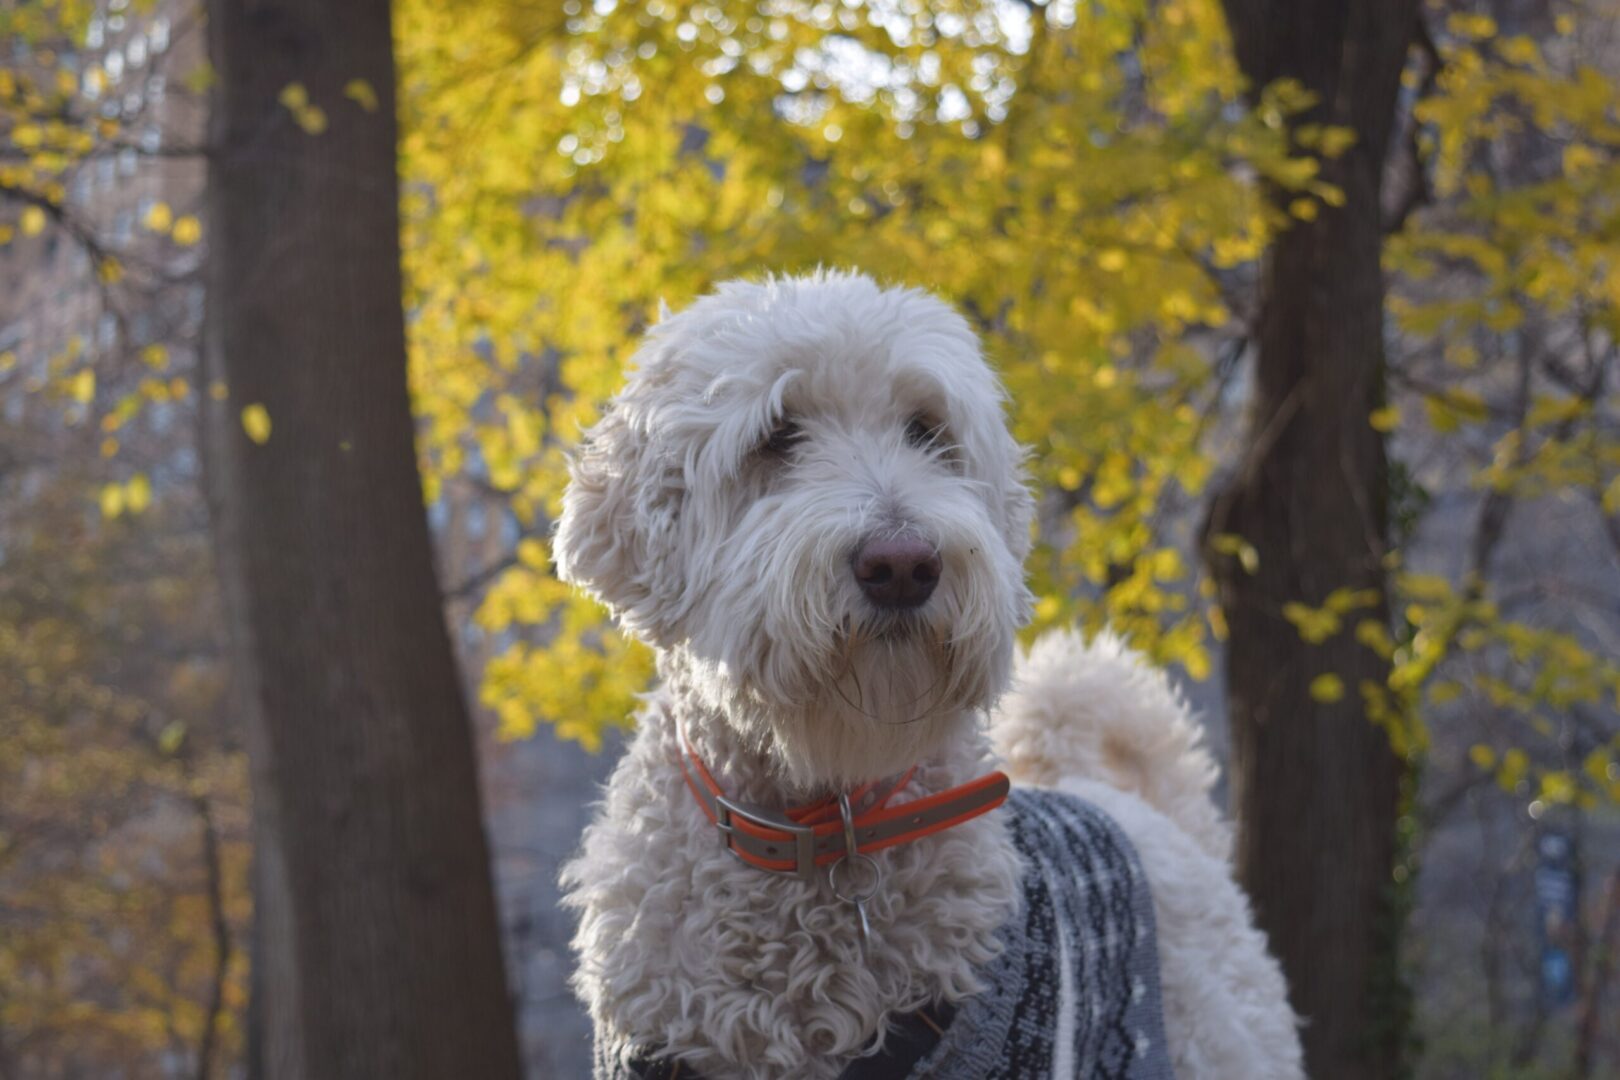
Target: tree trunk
378,945
1316,785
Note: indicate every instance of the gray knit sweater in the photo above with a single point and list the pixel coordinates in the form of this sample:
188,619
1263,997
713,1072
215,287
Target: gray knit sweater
1075,992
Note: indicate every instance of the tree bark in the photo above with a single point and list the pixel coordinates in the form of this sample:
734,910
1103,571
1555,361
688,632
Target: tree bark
1316,786
378,945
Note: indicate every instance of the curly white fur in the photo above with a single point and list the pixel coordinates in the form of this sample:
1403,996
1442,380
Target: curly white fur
730,554
1099,711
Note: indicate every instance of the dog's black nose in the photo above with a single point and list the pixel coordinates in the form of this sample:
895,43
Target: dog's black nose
898,573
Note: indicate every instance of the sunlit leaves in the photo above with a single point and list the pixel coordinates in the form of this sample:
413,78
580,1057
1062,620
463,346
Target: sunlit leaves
983,155
1086,213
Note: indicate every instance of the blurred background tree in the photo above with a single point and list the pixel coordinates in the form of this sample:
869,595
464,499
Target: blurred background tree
1093,185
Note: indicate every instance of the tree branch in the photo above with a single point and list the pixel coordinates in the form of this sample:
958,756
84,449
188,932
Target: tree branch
1418,192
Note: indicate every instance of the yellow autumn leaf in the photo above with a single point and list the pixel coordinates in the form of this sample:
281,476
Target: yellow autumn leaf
112,501
158,217
1314,626
82,387
533,554
138,493
32,221
187,231
1231,544
256,422
312,118
1336,140
1471,26
1327,688
1515,763
361,92
1611,496
1384,419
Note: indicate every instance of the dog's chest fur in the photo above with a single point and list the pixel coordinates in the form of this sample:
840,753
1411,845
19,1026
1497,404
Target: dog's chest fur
747,974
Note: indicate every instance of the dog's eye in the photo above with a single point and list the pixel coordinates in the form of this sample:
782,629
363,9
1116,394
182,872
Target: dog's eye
783,438
923,432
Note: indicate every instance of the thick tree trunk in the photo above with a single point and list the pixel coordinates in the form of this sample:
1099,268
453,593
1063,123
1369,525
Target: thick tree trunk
1316,785
378,946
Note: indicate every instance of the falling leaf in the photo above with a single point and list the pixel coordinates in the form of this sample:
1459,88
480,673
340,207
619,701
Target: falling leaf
360,91
32,221
256,422
1327,688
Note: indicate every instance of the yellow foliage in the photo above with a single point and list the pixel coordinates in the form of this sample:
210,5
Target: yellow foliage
642,158
667,165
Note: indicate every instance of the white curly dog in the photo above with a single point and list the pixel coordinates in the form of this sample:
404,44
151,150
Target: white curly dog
807,501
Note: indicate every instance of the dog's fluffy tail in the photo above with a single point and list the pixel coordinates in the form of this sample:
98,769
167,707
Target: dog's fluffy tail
1099,712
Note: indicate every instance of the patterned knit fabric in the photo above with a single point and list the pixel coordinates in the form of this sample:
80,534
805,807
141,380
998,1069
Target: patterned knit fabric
1075,992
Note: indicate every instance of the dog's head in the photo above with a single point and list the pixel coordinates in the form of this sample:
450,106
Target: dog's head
806,498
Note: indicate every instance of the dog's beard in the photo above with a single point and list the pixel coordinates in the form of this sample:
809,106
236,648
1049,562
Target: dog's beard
834,690
882,693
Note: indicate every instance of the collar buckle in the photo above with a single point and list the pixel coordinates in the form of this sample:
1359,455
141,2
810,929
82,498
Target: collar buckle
804,836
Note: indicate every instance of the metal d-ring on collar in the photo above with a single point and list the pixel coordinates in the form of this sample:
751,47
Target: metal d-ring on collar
858,897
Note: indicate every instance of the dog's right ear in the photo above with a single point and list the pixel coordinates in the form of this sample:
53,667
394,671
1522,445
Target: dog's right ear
615,538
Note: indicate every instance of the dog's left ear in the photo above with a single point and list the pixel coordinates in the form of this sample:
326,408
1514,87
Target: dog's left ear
615,538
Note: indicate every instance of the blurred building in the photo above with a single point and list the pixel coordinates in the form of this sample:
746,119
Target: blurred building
134,68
